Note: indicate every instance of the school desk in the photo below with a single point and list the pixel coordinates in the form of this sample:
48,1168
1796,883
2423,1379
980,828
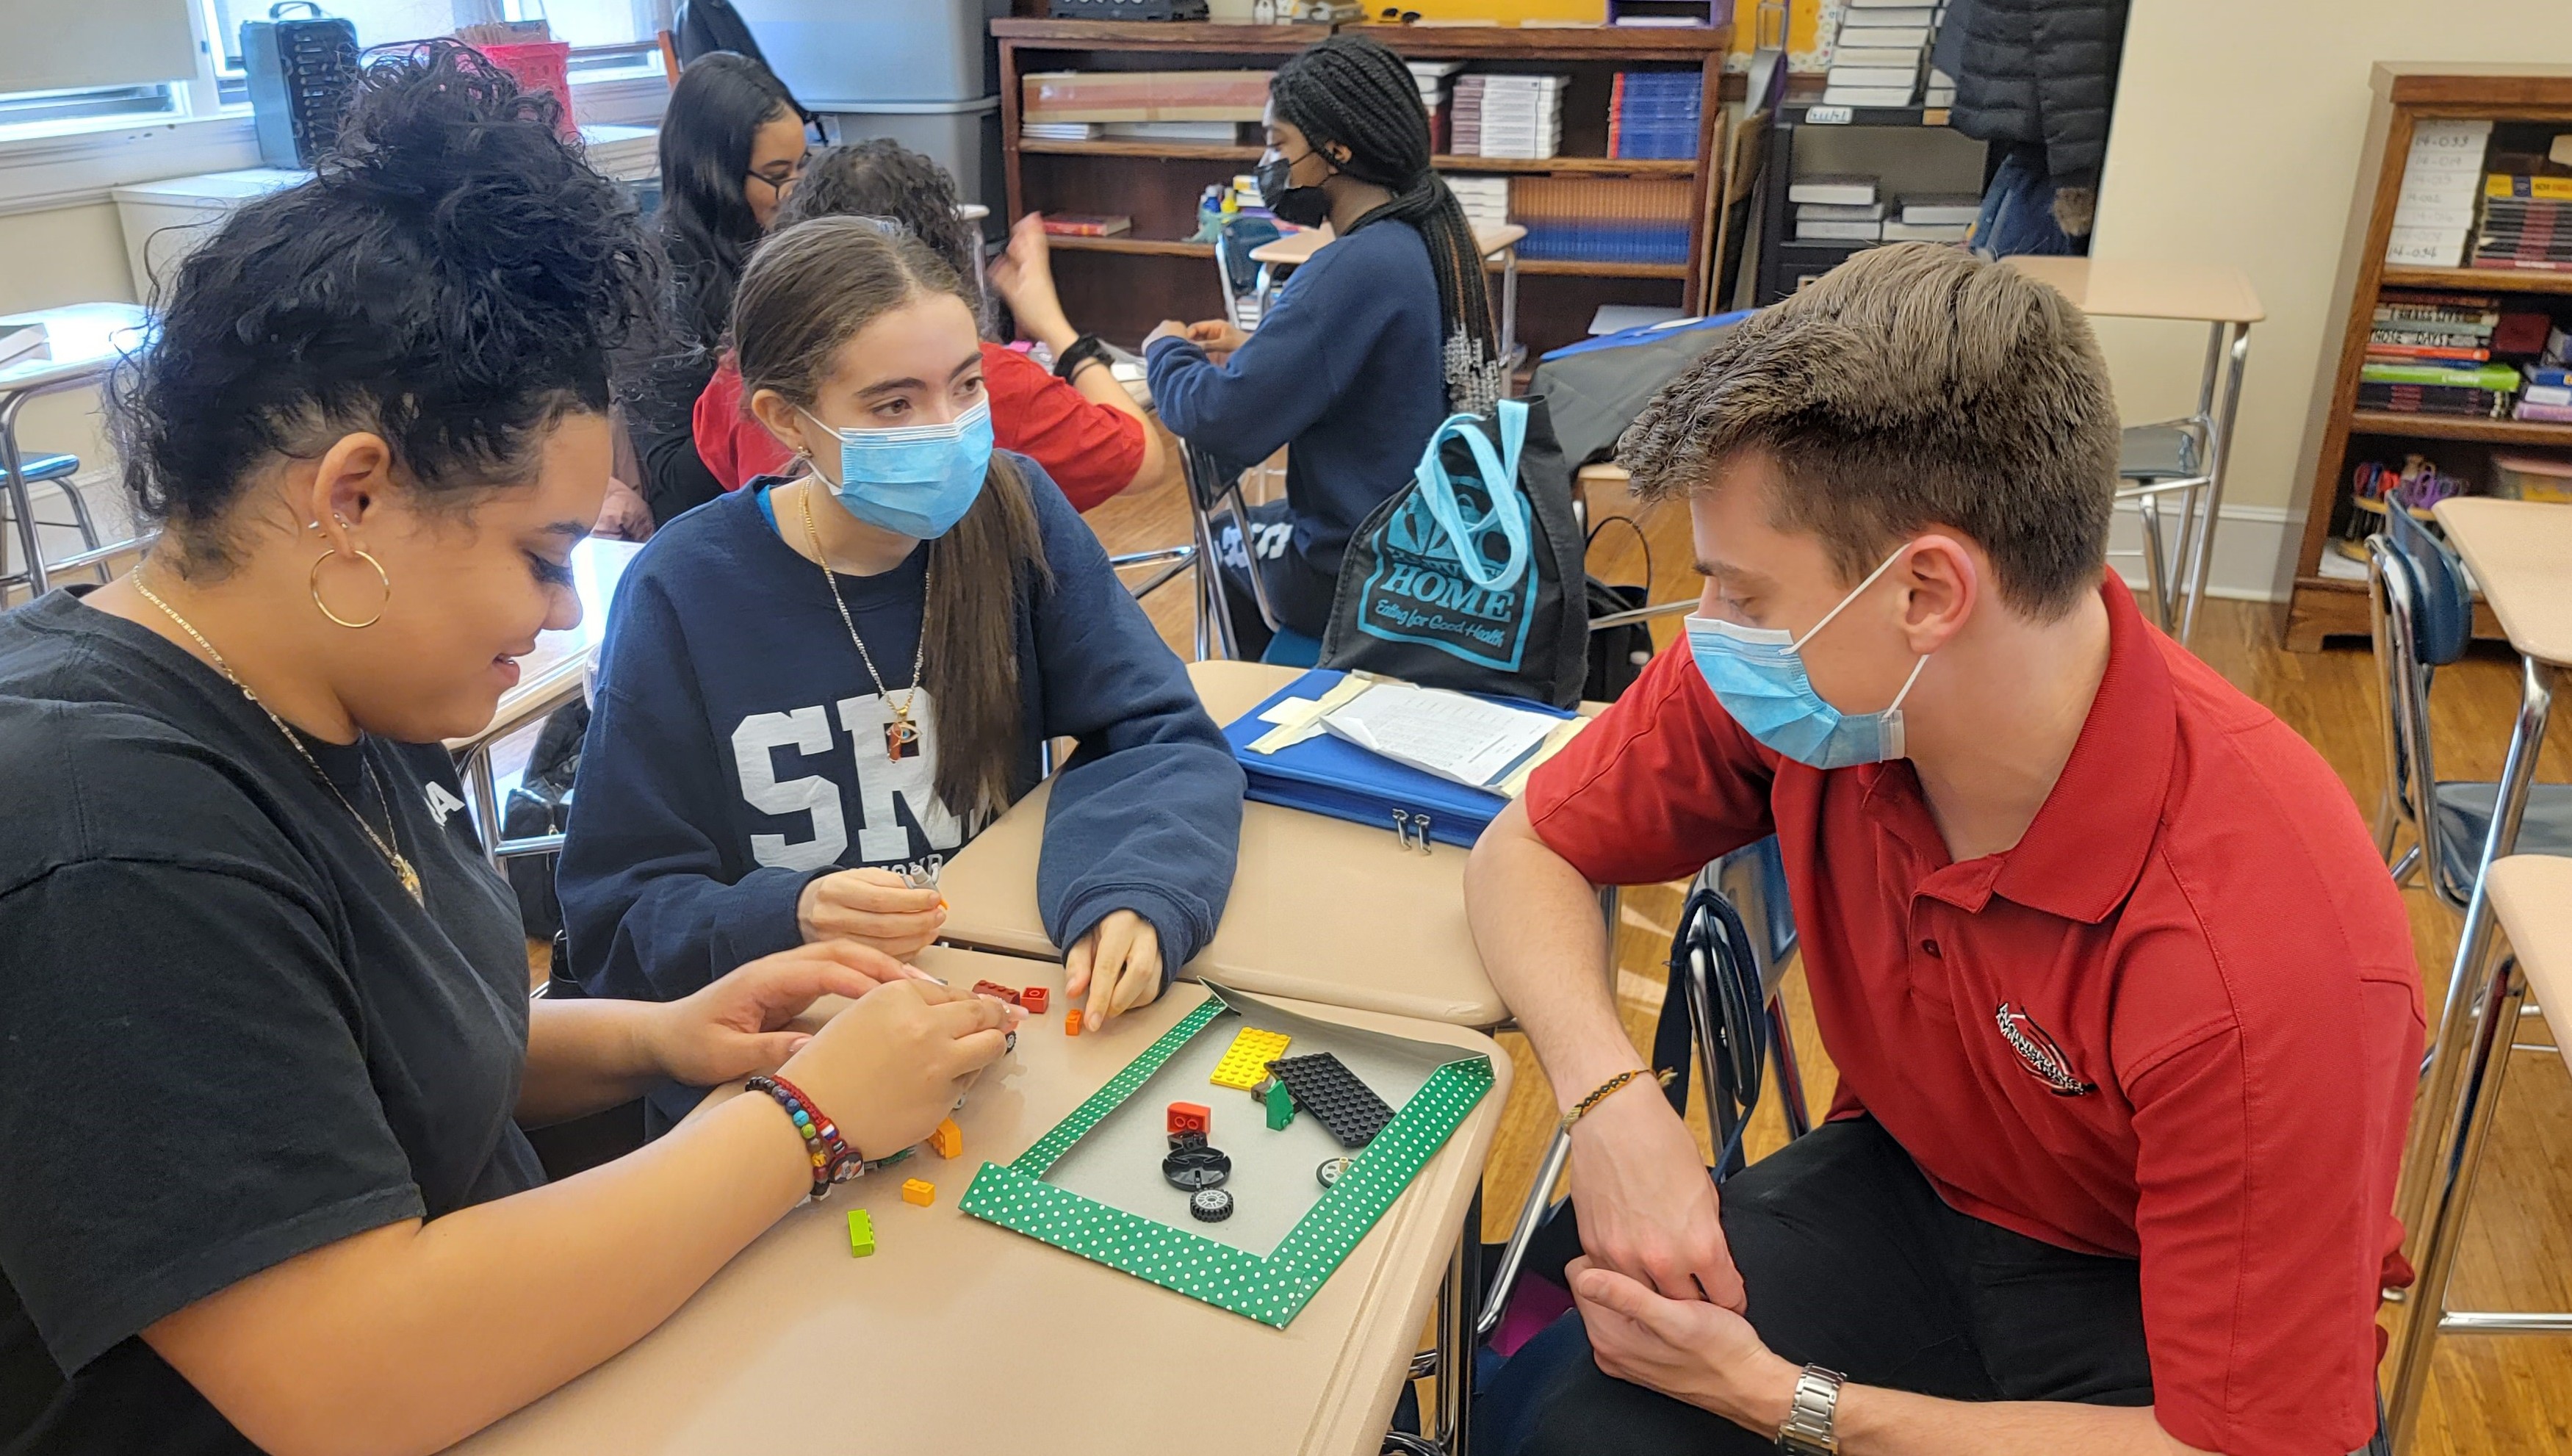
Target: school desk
2520,553
957,1335
1321,908
81,342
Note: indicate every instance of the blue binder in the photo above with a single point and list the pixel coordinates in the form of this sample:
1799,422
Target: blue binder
1326,775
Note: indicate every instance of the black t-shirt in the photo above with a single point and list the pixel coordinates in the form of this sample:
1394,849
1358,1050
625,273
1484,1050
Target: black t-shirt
228,1035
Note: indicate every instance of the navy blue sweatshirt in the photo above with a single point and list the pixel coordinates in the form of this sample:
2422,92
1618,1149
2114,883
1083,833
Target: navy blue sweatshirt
736,752
1345,367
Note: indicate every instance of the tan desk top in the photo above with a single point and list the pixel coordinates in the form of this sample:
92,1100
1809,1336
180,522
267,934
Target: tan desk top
2532,897
1321,908
958,1335
2521,555
1298,246
2205,292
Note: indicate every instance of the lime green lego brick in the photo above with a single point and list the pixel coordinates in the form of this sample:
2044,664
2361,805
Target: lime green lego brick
862,1233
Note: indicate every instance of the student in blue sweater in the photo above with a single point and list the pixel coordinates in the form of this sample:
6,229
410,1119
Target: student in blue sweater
1372,342
817,684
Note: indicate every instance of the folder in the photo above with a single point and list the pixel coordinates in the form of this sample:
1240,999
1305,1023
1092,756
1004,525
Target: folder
1327,775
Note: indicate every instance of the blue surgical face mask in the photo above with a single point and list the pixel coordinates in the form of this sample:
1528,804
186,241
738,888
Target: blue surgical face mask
1758,676
915,481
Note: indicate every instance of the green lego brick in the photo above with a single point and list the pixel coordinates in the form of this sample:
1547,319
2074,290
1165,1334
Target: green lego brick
862,1233
1281,1107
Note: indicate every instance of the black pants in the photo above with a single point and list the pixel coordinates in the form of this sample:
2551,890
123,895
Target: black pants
1852,1262
1300,596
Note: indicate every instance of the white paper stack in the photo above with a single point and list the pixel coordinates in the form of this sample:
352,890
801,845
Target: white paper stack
1508,116
1879,53
1933,218
1485,200
1460,739
1839,222
1835,190
1058,130
2440,180
1431,77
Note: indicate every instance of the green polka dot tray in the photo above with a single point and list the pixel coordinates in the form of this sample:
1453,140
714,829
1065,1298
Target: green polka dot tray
1270,1290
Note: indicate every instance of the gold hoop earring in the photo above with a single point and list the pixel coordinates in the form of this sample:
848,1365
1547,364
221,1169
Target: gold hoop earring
312,579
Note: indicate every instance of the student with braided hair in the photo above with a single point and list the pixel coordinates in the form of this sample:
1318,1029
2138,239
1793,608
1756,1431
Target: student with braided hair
1373,342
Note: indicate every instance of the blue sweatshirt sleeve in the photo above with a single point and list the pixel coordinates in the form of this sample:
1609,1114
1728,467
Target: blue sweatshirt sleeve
1274,386
652,912
1146,815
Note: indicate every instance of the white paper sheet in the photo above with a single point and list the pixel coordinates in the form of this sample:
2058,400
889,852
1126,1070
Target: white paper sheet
1461,739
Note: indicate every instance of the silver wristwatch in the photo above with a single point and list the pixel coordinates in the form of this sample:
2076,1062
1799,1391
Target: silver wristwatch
1807,1431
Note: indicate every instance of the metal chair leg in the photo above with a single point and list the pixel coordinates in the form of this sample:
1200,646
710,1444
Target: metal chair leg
2200,556
2465,1128
2156,569
2475,956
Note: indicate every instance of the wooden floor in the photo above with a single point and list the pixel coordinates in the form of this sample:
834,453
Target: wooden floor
2492,1396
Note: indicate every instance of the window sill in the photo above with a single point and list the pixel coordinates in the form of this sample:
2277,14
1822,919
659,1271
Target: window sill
78,164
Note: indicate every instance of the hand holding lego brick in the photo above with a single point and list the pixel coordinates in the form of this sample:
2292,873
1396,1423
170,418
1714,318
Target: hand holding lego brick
1117,966
889,1069
871,907
742,1024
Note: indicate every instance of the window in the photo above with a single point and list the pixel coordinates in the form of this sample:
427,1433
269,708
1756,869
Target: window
618,30
46,108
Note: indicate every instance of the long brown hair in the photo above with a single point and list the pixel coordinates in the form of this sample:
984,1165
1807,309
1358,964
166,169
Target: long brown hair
809,289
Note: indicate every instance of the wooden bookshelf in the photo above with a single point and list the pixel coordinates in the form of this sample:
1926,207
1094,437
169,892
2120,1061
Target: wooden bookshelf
1123,285
2404,93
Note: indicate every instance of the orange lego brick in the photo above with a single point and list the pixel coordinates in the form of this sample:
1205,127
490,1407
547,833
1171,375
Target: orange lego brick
919,1190
948,1140
1072,1022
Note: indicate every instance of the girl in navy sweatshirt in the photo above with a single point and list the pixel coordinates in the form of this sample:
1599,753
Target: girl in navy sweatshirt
1373,342
816,689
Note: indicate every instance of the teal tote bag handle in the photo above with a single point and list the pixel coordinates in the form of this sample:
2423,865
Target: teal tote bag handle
1500,474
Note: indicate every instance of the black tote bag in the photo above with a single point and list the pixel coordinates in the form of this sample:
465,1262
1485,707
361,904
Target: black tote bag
1470,577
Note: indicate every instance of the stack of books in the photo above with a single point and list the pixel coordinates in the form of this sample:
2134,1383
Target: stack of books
1942,89
2433,388
2527,224
1604,220
2547,395
1086,225
1654,114
1940,217
1837,208
2440,178
1059,131
2415,327
1508,116
1881,50
1431,78
1485,199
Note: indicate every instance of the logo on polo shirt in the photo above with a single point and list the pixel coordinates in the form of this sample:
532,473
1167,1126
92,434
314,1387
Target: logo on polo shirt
2040,1052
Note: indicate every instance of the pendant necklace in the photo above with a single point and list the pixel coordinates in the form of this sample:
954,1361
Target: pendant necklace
902,736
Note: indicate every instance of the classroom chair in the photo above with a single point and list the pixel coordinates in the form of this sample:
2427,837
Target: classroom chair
2154,460
1735,936
2423,610
33,470
2531,898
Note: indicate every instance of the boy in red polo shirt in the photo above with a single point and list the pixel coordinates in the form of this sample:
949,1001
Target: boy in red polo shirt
2122,999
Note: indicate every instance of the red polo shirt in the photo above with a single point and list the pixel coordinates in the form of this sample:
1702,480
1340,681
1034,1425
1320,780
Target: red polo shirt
2179,1021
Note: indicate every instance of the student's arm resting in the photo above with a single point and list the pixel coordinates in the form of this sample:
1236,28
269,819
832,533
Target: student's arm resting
1642,795
1147,814
1710,1358
643,882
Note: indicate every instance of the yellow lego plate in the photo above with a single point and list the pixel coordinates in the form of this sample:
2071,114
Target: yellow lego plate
1246,1061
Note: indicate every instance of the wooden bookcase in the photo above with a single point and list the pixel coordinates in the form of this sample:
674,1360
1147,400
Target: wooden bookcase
2337,433
1120,286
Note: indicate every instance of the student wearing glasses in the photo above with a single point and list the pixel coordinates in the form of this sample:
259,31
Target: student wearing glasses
733,147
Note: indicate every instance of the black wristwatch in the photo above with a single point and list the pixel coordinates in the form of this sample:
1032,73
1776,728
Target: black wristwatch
1085,349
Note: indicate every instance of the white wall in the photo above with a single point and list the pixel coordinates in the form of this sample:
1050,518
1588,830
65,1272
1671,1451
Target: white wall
2237,140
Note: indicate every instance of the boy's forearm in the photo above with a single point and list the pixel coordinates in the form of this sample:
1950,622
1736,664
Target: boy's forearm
1536,920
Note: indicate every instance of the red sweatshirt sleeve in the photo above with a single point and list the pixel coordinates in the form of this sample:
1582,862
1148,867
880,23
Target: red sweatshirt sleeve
1090,450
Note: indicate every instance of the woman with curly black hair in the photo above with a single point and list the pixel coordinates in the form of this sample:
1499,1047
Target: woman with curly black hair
1370,345
1078,423
269,1039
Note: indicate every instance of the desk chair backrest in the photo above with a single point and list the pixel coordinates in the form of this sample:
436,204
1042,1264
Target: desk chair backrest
1734,933
2422,613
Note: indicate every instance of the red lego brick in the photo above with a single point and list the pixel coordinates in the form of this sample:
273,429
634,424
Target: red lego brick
996,989
1191,1117
1034,999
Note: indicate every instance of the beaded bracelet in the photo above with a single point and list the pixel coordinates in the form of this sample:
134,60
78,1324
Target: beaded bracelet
834,1160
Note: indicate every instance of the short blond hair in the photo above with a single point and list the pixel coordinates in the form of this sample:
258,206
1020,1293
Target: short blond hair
1914,386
